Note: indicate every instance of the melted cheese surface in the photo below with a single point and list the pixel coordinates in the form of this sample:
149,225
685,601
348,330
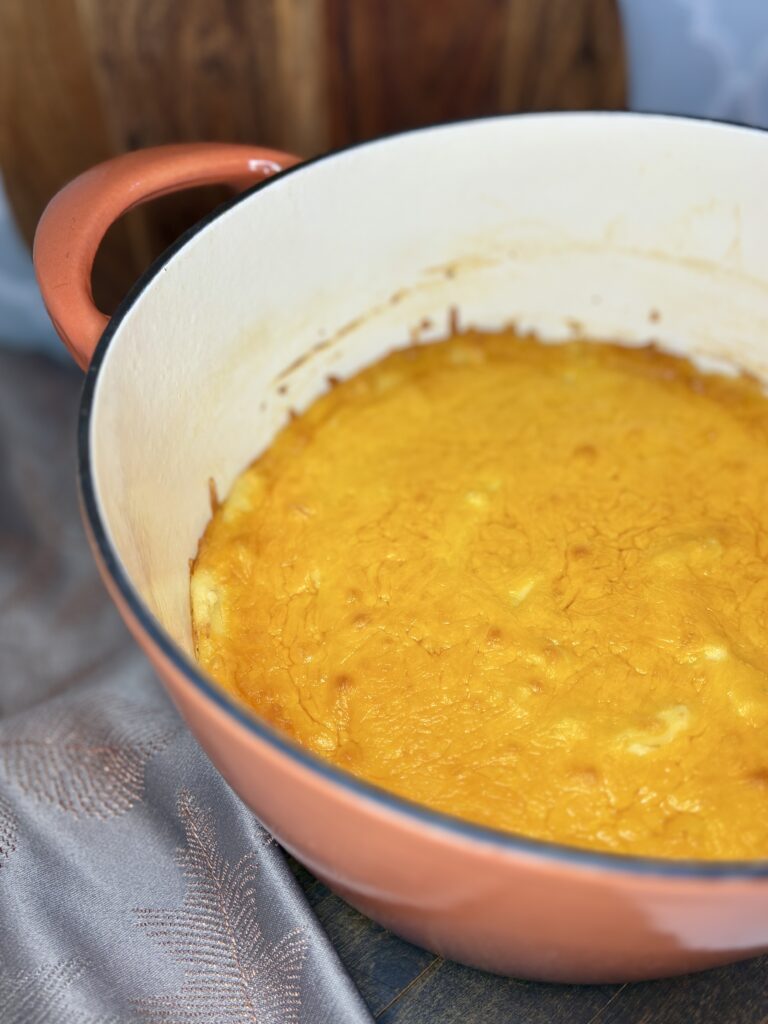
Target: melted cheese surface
523,584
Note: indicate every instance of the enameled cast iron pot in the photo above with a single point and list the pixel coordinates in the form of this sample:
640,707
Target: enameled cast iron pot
620,226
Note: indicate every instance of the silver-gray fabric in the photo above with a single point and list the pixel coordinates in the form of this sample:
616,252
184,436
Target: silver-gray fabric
135,887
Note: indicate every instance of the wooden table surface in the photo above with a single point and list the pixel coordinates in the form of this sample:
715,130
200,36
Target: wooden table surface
74,632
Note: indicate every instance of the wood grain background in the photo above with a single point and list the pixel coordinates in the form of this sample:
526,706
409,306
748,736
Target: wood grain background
82,80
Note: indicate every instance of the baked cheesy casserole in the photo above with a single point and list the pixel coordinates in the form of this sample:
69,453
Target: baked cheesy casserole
523,584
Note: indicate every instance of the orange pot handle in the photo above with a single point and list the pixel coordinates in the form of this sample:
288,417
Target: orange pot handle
77,218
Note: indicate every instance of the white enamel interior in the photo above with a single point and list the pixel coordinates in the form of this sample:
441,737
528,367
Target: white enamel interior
621,226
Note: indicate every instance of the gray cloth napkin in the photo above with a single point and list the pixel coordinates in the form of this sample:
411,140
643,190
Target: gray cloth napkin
135,887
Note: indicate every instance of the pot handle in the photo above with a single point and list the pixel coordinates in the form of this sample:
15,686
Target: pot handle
77,218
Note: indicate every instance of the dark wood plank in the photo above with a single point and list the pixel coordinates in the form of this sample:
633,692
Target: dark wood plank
562,55
401,67
726,995
214,68
452,994
381,965
404,65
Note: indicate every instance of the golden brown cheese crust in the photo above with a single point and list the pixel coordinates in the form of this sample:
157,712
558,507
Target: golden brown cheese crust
523,584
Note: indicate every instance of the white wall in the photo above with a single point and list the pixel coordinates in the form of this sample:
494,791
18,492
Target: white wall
701,57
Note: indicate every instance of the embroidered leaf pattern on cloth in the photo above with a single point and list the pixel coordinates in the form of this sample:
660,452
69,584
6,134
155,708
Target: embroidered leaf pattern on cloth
44,996
8,829
233,974
80,759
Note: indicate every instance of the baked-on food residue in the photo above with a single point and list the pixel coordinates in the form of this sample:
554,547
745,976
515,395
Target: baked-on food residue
524,584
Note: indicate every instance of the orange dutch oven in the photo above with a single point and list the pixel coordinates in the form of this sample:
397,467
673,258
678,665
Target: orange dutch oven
629,226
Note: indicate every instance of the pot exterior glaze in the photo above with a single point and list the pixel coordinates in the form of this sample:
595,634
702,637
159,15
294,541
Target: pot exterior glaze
620,226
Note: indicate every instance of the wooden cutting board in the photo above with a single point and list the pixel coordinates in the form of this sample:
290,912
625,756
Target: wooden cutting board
82,80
